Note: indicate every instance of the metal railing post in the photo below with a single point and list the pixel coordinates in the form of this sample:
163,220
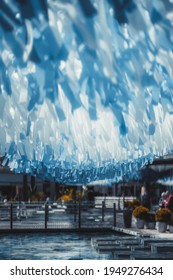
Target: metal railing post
11,216
79,217
114,209
75,210
103,210
45,216
123,201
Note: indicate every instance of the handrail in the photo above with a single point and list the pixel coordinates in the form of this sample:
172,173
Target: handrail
77,215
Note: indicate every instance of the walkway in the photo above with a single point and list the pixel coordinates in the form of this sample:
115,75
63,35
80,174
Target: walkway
141,232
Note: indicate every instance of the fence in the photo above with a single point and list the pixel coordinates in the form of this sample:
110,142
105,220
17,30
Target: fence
75,215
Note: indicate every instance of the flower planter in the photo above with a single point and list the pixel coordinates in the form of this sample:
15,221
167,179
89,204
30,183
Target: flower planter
150,220
140,223
151,225
127,215
162,217
171,228
161,226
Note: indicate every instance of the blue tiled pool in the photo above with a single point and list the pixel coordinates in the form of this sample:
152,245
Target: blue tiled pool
60,246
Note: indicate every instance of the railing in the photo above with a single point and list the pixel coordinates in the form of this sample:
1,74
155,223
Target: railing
53,216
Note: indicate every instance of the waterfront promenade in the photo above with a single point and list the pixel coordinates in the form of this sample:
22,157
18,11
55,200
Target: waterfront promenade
108,236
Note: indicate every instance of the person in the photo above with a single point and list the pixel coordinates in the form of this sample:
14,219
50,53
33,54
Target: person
167,200
161,200
145,199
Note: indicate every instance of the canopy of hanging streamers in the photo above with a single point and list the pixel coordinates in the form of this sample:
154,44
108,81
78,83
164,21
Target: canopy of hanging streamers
86,88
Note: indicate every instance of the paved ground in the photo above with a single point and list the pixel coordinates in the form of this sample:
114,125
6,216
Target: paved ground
134,231
155,233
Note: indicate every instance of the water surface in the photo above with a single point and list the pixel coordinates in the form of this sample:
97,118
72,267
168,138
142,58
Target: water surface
60,246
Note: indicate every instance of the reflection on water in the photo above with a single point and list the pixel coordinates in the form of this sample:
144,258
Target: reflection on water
60,246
